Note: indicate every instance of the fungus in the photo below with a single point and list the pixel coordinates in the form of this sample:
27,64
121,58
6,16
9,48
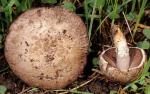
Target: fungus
47,47
122,63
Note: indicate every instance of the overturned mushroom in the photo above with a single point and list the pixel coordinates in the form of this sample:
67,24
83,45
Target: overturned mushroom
120,63
47,47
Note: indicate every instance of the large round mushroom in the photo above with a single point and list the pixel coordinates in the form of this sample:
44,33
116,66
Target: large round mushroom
47,47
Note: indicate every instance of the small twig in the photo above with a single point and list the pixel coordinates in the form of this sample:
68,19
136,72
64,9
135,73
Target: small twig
107,46
25,90
75,88
127,24
143,26
129,27
97,71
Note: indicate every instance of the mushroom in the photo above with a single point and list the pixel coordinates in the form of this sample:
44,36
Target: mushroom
122,63
47,47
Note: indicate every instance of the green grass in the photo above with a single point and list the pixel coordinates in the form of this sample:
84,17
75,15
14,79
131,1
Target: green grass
141,11
142,80
95,11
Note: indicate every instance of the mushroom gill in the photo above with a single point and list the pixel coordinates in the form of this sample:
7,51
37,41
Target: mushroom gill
128,67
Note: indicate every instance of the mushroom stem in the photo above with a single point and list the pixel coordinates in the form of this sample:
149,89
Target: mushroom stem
122,50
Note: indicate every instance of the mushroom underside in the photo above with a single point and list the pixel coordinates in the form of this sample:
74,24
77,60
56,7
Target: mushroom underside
135,57
110,70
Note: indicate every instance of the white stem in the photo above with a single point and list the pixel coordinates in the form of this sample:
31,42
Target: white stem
122,50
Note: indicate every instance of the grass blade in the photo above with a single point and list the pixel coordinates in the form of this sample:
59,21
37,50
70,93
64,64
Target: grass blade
92,19
139,16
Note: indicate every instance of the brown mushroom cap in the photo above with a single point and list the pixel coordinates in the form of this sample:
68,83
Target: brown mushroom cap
47,47
109,69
